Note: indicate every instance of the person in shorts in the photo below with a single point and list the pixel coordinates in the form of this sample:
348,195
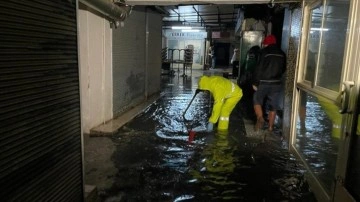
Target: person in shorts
267,81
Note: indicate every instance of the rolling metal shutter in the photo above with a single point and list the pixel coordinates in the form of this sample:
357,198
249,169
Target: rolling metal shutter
154,50
40,132
129,62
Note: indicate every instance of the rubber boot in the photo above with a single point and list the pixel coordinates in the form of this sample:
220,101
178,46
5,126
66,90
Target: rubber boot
223,124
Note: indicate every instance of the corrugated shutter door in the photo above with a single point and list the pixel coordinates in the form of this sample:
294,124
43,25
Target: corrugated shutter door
40,139
154,50
129,62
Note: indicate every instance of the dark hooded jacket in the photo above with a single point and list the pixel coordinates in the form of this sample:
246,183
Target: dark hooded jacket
271,65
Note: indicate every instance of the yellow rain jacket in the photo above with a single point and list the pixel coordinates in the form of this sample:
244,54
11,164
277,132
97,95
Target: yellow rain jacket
226,95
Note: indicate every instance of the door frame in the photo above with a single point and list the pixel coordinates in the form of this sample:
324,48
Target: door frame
349,73
313,182
352,62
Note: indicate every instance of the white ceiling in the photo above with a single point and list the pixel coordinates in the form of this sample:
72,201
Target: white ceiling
202,15
198,2
214,14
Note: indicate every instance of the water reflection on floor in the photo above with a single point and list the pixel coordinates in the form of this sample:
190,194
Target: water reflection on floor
157,162
318,141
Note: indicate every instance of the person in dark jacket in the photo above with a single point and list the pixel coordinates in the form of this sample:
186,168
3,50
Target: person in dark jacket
267,81
245,82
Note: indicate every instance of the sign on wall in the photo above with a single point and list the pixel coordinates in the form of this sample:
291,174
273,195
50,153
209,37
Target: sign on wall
185,35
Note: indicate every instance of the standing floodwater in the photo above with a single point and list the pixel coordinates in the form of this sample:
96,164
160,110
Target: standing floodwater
155,160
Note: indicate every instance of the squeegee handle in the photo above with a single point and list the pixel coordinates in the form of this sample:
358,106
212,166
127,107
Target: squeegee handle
196,92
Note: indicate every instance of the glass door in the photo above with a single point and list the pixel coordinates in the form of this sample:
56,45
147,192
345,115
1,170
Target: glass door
348,175
325,88
348,169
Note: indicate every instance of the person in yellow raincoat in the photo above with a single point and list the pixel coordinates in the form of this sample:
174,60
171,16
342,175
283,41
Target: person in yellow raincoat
226,95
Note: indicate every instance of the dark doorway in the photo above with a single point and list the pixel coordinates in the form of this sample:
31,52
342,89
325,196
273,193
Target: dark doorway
222,53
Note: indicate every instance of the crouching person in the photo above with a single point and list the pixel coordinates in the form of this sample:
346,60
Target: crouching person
226,95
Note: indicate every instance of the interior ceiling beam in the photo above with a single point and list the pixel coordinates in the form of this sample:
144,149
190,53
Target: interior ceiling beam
178,15
233,14
203,15
192,2
198,14
219,18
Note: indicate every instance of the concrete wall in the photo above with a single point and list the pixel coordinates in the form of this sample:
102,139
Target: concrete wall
95,41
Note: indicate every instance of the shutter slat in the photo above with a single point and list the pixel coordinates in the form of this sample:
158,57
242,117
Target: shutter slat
40,124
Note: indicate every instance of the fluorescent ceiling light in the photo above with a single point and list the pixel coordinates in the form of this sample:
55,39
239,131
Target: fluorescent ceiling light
319,29
190,30
175,27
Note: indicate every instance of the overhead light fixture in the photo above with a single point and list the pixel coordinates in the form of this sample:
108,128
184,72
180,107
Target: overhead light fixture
319,29
179,27
190,30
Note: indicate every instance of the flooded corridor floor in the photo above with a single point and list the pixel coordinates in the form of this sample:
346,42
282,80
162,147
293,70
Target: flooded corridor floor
152,159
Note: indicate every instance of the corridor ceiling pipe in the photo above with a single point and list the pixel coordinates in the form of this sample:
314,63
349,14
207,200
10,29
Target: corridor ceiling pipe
117,11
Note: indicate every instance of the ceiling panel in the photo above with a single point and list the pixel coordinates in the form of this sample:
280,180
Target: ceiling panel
199,2
209,16
217,16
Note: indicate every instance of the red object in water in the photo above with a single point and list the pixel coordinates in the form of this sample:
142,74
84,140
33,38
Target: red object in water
191,136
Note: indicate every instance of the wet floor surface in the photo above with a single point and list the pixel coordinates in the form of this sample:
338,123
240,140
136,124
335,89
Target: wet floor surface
155,160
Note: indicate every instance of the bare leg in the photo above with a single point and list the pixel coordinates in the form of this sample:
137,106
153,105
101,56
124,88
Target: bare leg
272,115
259,117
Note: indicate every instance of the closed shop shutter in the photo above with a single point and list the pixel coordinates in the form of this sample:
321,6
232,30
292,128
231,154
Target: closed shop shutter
129,43
40,129
154,51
